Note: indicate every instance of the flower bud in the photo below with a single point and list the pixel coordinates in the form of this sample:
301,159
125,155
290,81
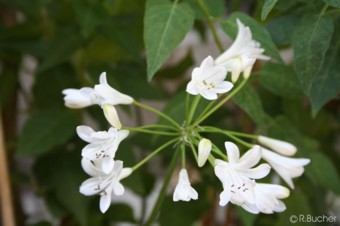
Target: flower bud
279,146
204,149
112,116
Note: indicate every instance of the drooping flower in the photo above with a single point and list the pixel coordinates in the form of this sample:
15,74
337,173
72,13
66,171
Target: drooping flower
102,94
112,116
208,80
183,190
102,183
242,54
286,167
237,174
204,149
279,146
267,199
102,145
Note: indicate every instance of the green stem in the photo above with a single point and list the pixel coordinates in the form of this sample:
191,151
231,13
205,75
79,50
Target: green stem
231,94
162,193
193,149
193,108
323,11
187,100
161,114
216,130
156,126
211,24
147,158
183,155
151,131
251,136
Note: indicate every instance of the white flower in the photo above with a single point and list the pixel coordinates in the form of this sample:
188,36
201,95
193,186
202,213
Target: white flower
236,175
102,145
102,94
242,54
204,149
267,199
286,167
109,94
281,147
102,183
80,98
112,116
183,190
208,80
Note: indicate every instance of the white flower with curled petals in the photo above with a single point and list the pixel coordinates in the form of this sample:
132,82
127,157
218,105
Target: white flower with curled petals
279,146
101,94
102,145
267,199
208,80
242,54
204,149
102,183
286,167
183,190
237,174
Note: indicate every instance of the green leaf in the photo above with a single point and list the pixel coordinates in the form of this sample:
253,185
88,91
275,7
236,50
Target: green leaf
326,84
334,3
165,25
260,33
216,8
311,40
267,7
250,102
46,130
322,172
62,172
282,27
280,79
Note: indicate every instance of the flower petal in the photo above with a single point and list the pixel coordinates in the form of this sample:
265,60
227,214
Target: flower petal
232,152
84,132
105,202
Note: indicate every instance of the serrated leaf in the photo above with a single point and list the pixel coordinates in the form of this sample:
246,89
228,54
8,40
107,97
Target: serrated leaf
334,3
280,79
250,102
260,33
165,25
267,7
46,130
326,84
311,40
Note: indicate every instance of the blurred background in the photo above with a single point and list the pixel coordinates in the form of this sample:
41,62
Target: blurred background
49,45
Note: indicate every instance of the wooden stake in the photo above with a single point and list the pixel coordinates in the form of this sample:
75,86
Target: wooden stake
5,186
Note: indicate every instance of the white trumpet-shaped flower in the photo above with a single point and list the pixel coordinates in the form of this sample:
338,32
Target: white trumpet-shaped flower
279,146
102,145
183,190
237,174
286,167
208,80
267,199
101,94
112,116
242,54
204,149
102,183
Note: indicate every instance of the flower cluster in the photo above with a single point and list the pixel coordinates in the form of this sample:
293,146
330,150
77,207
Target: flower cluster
238,174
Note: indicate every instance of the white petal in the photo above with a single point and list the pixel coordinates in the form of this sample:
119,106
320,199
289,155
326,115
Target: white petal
105,202
85,132
232,152
204,149
111,116
75,99
279,146
102,78
250,158
257,172
90,186
223,87
225,198
92,151
191,88
107,164
125,173
118,189
89,167
112,96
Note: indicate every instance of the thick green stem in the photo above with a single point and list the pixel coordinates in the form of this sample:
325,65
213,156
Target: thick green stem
147,158
162,193
211,24
161,114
